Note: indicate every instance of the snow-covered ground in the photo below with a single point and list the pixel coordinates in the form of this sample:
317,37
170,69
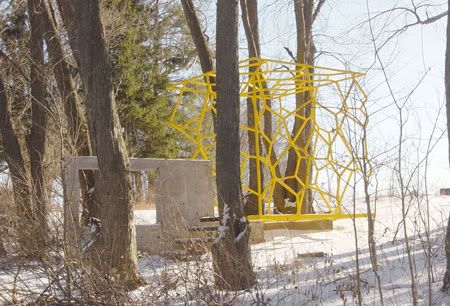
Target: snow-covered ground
288,276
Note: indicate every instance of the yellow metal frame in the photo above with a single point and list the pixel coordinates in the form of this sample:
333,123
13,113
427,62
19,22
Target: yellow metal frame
336,102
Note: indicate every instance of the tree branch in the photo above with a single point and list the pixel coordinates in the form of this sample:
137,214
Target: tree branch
317,9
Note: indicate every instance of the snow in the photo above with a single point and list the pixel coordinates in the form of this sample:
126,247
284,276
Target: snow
290,204
143,217
223,228
91,191
288,275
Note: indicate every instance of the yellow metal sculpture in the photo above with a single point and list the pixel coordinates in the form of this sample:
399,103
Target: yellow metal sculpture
307,116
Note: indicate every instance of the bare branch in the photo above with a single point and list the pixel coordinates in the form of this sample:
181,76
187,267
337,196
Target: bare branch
317,9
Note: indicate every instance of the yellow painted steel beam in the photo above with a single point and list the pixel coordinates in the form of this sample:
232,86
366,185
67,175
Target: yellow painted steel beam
300,217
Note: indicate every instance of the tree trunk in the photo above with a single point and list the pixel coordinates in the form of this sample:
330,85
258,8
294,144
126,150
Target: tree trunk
198,37
250,21
138,190
206,61
69,22
39,106
114,252
446,285
76,122
17,172
446,282
2,246
251,26
302,131
231,253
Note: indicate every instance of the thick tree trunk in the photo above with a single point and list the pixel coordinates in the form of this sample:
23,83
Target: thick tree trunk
115,249
17,172
302,131
446,285
250,21
69,21
231,253
39,106
73,109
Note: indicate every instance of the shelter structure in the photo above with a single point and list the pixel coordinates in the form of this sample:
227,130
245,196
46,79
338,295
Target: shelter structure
307,135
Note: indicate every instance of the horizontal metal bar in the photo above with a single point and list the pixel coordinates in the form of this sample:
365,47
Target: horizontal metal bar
301,217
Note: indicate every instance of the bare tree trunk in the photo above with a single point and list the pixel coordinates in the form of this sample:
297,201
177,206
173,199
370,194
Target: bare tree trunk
446,285
231,253
201,45
250,21
76,122
198,37
2,246
114,252
69,21
39,106
17,171
302,132
138,190
446,282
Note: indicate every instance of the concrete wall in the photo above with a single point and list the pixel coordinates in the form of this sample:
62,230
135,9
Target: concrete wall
184,194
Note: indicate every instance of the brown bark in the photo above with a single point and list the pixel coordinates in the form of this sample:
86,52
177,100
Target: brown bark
39,106
69,21
446,281
17,172
114,252
302,131
231,253
2,246
201,45
198,37
251,26
76,123
138,190
250,21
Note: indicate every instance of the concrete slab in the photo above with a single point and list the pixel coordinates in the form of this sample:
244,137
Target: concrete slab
256,232
310,225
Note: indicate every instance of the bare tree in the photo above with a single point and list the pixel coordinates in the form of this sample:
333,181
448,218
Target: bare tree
231,253
201,45
76,122
446,284
114,252
198,37
39,106
17,171
250,20
305,15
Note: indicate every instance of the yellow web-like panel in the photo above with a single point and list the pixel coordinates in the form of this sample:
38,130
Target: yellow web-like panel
313,113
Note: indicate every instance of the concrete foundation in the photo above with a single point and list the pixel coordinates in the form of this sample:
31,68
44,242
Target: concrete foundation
256,232
313,225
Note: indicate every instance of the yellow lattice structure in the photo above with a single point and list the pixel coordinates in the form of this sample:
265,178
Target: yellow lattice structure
313,114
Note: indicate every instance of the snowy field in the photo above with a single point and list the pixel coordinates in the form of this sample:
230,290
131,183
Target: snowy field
287,275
